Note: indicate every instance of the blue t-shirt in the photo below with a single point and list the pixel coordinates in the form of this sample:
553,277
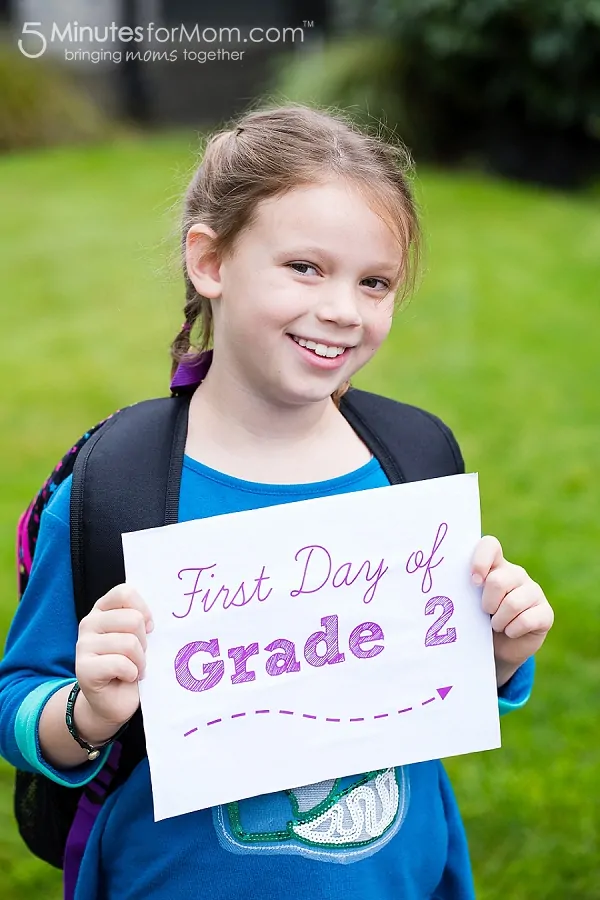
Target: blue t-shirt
386,834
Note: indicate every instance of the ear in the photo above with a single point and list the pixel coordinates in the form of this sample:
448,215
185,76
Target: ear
203,266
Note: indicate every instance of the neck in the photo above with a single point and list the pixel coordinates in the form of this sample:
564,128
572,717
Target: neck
237,417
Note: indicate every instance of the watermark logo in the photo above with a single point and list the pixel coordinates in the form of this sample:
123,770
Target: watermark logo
36,38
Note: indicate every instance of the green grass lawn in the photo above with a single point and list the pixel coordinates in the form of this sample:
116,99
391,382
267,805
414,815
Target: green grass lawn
502,341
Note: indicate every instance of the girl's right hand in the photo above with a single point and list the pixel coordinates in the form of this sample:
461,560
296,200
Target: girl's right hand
110,656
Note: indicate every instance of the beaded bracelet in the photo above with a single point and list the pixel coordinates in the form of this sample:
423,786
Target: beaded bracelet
92,752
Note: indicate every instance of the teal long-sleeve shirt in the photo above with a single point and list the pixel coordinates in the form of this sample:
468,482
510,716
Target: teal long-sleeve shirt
411,843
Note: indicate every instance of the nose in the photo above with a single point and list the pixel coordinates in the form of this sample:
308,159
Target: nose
341,307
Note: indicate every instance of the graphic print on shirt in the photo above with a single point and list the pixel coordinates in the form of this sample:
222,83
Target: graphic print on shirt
339,820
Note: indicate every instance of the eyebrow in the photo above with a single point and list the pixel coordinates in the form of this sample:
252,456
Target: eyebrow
392,269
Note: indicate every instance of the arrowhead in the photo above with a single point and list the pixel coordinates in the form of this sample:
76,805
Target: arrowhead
443,692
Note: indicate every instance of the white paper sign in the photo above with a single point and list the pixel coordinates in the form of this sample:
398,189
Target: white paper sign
313,640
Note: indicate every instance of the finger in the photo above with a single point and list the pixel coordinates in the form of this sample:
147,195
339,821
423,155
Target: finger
487,555
129,621
105,669
537,620
123,596
108,644
514,604
506,578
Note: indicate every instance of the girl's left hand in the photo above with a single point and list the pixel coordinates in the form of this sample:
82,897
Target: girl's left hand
521,615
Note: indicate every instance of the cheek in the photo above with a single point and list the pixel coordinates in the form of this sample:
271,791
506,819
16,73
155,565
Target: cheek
376,328
248,320
377,324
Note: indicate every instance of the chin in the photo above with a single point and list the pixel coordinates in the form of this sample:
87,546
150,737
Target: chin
312,393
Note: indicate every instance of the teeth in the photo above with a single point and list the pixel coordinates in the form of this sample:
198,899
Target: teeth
320,349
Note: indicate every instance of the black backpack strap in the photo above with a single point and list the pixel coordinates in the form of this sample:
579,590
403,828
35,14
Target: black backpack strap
410,443
126,478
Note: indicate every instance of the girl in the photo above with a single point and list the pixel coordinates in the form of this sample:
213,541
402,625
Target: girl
299,233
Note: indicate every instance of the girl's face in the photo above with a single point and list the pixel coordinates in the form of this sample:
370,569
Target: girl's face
307,296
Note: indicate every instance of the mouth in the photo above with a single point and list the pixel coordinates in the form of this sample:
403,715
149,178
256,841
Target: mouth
320,348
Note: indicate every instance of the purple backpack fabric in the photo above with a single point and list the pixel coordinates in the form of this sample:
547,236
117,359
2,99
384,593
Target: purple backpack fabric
29,522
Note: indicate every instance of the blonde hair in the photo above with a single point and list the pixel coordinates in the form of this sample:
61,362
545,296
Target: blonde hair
270,151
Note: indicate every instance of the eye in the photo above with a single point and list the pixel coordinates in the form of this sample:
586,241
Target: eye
297,266
382,281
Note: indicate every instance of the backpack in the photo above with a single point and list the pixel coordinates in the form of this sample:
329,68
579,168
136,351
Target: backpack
126,477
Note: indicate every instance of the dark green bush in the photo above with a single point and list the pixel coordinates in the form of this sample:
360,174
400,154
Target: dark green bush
39,106
517,81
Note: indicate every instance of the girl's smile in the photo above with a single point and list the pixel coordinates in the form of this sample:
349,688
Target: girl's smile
321,354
